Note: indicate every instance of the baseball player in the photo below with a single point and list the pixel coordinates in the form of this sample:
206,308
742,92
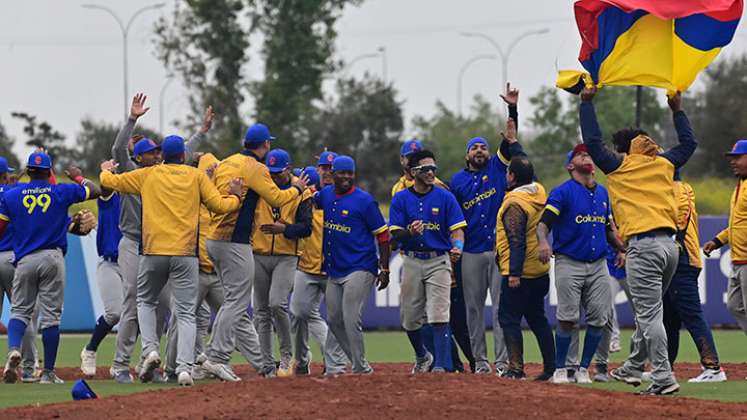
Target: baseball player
130,153
641,189
406,180
428,224
276,248
310,284
578,212
229,244
108,276
353,225
171,197
38,211
479,189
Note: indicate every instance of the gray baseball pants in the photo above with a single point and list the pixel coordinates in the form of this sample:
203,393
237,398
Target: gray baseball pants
109,278
480,274
39,280
273,281
182,273
736,295
425,295
345,299
28,345
304,305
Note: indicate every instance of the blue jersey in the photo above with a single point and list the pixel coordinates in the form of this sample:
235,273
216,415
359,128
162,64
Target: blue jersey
108,233
6,241
350,223
480,195
439,211
38,213
580,231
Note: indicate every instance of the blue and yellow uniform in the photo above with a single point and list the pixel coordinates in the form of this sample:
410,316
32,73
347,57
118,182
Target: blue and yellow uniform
108,234
439,212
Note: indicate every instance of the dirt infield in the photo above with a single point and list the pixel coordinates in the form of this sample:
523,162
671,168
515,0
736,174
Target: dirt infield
390,393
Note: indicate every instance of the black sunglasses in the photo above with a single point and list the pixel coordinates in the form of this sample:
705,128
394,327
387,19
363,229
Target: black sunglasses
426,168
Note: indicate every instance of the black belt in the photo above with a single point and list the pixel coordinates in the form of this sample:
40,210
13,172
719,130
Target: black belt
110,258
654,233
425,255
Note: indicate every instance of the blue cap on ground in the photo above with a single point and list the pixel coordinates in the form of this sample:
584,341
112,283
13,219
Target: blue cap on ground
326,158
39,160
410,146
145,145
277,160
82,391
258,133
740,148
172,146
312,174
4,168
343,163
477,140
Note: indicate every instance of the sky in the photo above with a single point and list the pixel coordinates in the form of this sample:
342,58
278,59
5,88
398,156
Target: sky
62,62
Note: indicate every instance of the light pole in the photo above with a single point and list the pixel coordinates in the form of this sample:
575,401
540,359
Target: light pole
357,59
125,30
382,51
161,106
504,54
463,70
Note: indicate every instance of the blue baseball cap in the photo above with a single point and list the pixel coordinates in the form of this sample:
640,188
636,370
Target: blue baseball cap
296,171
145,145
172,146
410,146
326,158
740,148
82,391
4,168
312,174
576,150
39,160
477,140
277,160
258,133
343,163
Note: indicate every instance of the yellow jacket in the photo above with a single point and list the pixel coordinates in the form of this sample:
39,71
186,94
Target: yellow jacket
311,255
735,235
687,221
296,215
532,199
403,183
237,226
206,265
642,191
171,195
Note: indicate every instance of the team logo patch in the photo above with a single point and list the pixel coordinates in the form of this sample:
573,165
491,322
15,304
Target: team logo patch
272,160
413,146
484,178
344,212
434,211
330,158
151,142
38,160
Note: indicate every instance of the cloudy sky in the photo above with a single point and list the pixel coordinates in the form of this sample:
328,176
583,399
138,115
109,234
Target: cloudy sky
62,62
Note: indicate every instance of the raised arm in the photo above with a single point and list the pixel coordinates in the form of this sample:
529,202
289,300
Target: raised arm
195,142
604,158
510,146
128,182
76,175
681,153
120,152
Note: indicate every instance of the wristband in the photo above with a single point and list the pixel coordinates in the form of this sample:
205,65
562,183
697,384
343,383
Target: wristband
458,244
79,179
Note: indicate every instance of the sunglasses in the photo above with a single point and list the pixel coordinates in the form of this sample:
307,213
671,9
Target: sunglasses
426,168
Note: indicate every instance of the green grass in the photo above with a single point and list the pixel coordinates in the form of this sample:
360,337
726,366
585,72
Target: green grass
381,346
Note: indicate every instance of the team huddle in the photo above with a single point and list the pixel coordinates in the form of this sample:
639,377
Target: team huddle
185,238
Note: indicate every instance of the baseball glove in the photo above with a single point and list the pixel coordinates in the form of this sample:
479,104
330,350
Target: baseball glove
84,222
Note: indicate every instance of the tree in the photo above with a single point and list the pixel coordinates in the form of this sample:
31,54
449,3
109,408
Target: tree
6,148
42,134
365,122
94,143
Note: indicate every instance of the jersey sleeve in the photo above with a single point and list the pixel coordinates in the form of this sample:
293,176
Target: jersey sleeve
128,182
454,215
73,193
373,217
556,200
4,214
397,216
210,196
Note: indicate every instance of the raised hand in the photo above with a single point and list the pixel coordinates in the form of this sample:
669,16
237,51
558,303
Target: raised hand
301,182
73,172
109,165
511,97
207,120
675,102
138,109
587,95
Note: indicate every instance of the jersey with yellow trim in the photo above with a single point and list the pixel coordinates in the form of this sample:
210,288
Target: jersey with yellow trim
350,222
735,235
38,213
171,196
642,195
404,183
311,260
580,231
437,209
533,204
280,244
687,221
237,226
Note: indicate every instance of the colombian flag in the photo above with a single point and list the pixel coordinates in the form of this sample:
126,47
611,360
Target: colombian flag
659,43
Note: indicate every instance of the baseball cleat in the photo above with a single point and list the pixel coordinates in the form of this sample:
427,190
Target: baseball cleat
438,370
560,376
28,375
615,346
221,371
544,376
582,376
151,362
423,364
88,362
48,377
122,377
482,368
199,373
654,389
620,374
514,374
10,373
185,379
646,377
302,370
500,369
285,369
709,375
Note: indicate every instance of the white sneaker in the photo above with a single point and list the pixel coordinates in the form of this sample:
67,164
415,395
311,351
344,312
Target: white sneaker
151,362
560,376
88,362
582,376
10,373
185,379
223,372
646,377
199,373
709,375
423,364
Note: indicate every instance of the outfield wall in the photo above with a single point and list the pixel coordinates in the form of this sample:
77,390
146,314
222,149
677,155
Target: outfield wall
83,304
